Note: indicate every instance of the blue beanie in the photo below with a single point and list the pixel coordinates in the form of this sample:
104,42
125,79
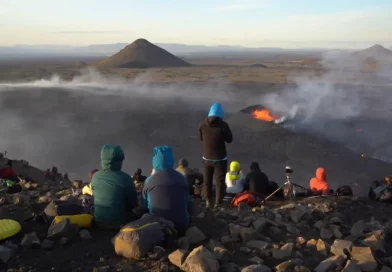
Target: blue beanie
216,110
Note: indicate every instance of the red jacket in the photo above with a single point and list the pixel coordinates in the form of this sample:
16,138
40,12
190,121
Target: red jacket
319,184
7,173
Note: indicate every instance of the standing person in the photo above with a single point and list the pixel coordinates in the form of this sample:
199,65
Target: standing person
114,192
256,182
165,192
191,175
8,173
214,133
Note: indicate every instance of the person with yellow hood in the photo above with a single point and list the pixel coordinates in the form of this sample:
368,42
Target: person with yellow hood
235,179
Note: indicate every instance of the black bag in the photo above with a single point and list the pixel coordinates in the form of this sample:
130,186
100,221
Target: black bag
59,207
273,186
344,191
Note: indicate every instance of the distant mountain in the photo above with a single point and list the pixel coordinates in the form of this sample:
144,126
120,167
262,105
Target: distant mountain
110,49
376,51
142,54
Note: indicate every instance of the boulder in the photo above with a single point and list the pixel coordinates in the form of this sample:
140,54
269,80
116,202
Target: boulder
311,243
201,259
301,269
256,268
288,265
340,246
257,244
321,247
195,236
178,257
221,254
30,240
296,215
300,241
330,264
256,260
375,243
229,267
284,252
351,266
47,244
184,243
85,235
227,239
364,258
5,254
386,269
245,249
243,207
260,224
358,228
62,229
325,233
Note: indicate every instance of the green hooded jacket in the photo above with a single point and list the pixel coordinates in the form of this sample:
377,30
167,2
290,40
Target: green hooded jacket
114,191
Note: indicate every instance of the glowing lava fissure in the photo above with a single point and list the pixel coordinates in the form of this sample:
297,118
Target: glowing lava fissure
264,115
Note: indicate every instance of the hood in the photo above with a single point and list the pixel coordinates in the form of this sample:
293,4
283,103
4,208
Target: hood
112,157
254,166
216,110
235,166
162,158
320,174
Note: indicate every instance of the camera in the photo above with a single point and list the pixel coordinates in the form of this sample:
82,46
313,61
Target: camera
288,170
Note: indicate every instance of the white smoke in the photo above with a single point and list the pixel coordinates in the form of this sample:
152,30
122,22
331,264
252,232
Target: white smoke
345,90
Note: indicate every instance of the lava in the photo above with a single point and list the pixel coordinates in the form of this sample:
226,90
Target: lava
264,115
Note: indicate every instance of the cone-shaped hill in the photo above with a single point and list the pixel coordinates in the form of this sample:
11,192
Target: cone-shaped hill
376,51
142,54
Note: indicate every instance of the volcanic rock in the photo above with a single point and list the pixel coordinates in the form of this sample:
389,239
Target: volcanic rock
30,240
296,215
364,257
257,244
300,241
62,229
184,243
47,244
311,243
5,254
358,228
340,246
351,266
325,233
178,257
195,236
374,242
386,269
256,260
330,264
85,234
256,268
230,267
284,252
321,247
201,259
301,269
142,54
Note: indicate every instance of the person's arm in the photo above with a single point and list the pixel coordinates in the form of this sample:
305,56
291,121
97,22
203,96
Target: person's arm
228,136
246,183
145,191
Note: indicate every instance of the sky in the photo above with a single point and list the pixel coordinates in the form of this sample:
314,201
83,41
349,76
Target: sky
250,23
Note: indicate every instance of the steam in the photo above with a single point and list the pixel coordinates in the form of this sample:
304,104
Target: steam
346,97
65,122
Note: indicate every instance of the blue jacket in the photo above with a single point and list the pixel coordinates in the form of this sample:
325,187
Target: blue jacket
114,191
166,192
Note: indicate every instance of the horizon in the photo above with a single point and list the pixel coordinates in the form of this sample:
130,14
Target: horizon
284,24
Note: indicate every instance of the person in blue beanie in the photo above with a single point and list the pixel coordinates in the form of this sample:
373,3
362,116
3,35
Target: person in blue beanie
214,133
114,191
166,192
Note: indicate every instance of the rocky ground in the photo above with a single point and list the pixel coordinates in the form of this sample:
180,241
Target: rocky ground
313,234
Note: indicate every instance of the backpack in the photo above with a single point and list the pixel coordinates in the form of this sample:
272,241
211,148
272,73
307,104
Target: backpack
244,197
344,191
386,195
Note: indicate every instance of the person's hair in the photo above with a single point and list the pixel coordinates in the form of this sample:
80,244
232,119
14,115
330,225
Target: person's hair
9,163
137,174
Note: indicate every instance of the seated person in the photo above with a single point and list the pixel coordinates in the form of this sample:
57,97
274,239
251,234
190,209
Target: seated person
256,182
114,192
381,190
191,175
234,179
87,189
166,191
319,184
7,173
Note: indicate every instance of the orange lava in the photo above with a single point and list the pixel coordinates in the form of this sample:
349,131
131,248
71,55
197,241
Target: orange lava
264,115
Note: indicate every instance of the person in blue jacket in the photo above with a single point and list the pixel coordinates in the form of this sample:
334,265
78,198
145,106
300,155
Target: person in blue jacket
166,191
114,191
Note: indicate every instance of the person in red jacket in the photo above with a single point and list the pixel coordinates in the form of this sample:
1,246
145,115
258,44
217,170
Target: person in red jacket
7,172
319,184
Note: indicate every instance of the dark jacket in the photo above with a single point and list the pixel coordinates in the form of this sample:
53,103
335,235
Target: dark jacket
214,133
191,175
256,181
114,192
166,191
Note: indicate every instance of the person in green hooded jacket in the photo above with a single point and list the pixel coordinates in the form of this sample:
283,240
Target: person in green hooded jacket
114,192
